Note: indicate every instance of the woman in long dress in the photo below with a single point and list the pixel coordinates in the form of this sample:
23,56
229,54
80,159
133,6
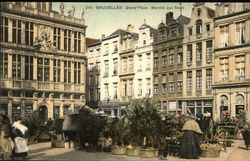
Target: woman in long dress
190,146
6,144
18,132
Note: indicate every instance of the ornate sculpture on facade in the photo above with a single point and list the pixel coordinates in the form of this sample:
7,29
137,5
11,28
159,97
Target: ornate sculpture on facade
82,15
71,12
44,41
61,9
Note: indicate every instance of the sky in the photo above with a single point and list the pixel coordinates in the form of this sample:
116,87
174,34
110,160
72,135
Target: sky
105,18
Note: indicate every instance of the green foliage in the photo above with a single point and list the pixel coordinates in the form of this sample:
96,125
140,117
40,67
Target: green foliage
91,127
33,123
115,128
143,121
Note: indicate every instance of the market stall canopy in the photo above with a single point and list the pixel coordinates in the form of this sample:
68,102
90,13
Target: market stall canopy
71,122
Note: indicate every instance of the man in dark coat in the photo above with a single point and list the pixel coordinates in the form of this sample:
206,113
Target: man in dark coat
190,146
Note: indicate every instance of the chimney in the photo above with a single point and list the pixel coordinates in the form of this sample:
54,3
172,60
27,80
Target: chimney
169,17
103,36
130,28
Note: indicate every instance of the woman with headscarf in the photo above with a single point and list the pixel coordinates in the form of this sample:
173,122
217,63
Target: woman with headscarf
18,132
190,146
6,143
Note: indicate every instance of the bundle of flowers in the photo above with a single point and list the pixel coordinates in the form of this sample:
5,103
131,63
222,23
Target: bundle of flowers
210,147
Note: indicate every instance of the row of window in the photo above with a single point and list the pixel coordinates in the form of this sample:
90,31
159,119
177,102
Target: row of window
43,68
68,38
168,83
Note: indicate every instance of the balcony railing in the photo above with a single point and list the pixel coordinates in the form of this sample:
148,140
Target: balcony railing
32,84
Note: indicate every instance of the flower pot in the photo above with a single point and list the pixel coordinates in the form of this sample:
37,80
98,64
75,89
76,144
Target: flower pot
118,150
133,152
212,153
145,153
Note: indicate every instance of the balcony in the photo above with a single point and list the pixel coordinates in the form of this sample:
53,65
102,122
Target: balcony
38,85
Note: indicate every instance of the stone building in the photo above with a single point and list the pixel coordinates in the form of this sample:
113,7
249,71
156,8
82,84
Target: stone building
168,64
109,74
143,62
126,65
198,61
232,58
93,72
42,60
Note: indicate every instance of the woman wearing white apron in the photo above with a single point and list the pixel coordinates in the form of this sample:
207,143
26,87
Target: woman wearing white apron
18,133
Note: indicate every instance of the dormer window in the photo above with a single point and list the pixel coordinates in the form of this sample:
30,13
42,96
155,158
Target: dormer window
198,11
162,35
173,32
144,38
198,27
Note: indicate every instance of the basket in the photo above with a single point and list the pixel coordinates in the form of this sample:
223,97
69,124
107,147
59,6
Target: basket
210,153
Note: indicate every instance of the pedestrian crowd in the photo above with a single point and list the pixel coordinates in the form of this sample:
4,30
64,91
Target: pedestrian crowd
12,139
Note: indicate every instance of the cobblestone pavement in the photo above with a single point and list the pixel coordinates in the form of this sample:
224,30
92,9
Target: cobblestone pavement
43,151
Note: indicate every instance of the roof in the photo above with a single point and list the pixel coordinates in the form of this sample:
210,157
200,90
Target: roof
183,20
210,12
90,41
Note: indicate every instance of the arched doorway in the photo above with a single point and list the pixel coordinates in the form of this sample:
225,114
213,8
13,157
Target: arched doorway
223,104
239,103
43,112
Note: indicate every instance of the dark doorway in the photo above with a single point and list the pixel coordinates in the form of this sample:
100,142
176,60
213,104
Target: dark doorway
43,112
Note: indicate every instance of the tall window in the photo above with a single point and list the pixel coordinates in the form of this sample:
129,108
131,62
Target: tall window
115,46
164,83
77,73
131,64
124,88
148,86
130,87
189,80
209,50
124,65
16,66
224,68
240,33
67,72
115,90
162,35
4,33
106,90
199,51
29,67
190,32
156,61
106,47
240,67
115,72
16,31
43,69
148,61
173,32
198,27
67,40
171,59
224,36
77,42
180,55
29,33
198,79
106,64
57,38
139,63
56,70
3,65
209,78
189,53
171,82
156,84
179,81
139,87
164,60
207,27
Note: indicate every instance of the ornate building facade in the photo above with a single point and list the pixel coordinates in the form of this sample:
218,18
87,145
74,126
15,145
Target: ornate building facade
232,58
168,64
198,61
42,60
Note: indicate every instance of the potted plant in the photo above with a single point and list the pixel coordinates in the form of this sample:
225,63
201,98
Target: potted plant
114,129
143,122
